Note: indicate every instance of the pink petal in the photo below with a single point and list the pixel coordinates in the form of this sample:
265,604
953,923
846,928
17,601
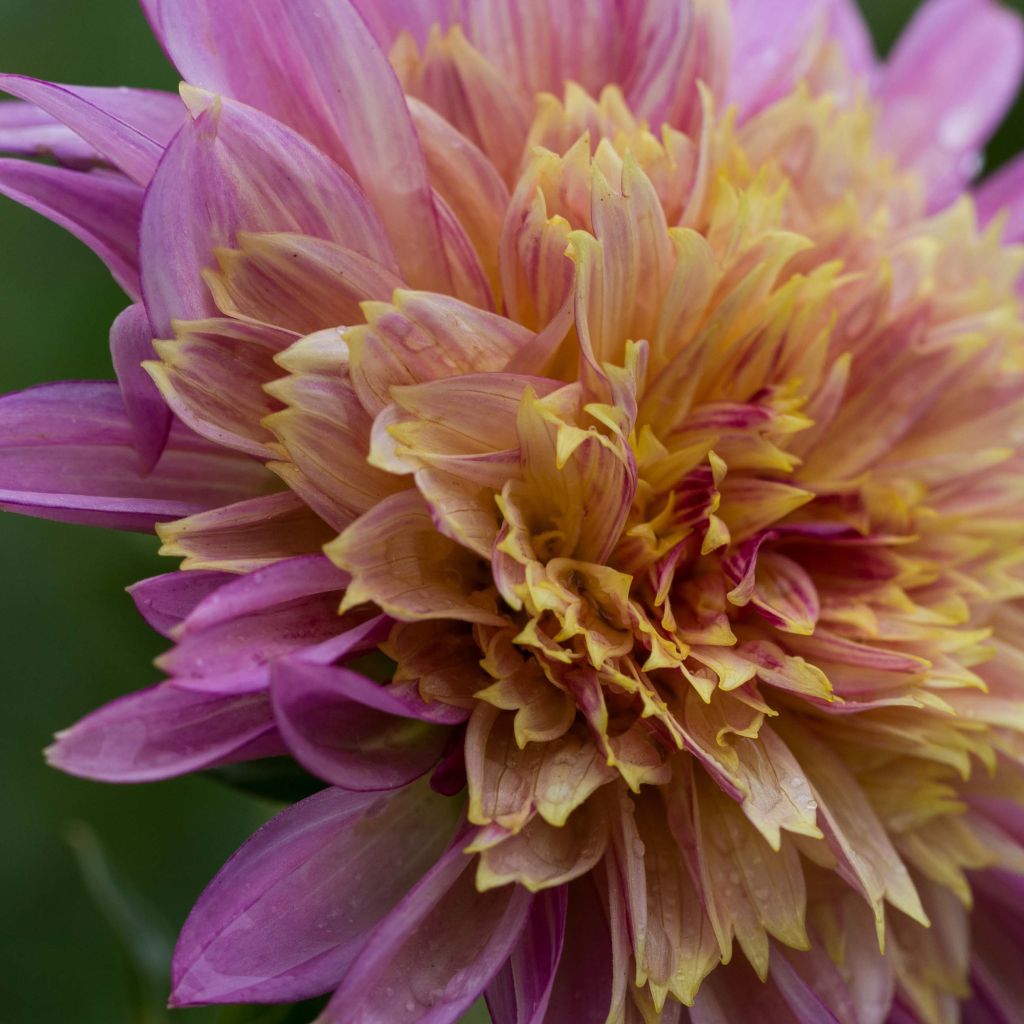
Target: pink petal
521,991
164,732
387,19
350,731
116,123
314,65
165,601
1004,191
231,169
131,343
25,130
947,84
773,42
291,909
98,208
431,957
66,453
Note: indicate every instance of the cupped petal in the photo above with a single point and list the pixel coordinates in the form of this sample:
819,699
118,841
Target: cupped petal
349,730
66,453
521,991
126,127
945,87
315,66
431,957
246,535
164,732
292,908
232,168
131,343
99,208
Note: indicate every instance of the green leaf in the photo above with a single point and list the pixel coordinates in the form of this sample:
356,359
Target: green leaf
297,1013
144,940
278,779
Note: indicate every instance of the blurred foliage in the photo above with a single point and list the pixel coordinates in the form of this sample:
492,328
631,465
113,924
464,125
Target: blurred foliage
72,639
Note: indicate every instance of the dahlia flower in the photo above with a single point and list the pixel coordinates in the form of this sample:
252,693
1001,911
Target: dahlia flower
593,435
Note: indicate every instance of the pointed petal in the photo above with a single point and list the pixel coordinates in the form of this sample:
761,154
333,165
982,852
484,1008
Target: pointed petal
434,953
1004,190
25,130
315,66
102,210
946,85
66,453
351,731
292,908
131,343
165,601
104,125
232,169
164,732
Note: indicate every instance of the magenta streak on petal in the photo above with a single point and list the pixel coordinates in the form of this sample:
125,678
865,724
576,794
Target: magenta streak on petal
349,730
165,601
66,453
131,342
430,958
100,209
164,732
292,908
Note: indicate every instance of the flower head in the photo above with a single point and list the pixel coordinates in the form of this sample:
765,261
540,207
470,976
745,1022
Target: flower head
599,460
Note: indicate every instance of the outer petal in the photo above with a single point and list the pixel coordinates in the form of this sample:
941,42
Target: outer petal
128,127
164,732
25,130
288,913
231,169
351,731
522,990
131,343
946,86
166,601
98,208
1004,191
314,65
66,453
387,19
434,953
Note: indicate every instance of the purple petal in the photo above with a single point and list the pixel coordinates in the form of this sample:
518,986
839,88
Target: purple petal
947,84
66,453
431,957
582,989
388,19
315,66
521,991
277,584
103,118
99,208
231,169
164,732
165,601
131,343
349,730
291,909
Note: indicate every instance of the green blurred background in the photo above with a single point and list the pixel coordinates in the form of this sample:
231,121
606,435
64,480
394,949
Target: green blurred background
71,639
